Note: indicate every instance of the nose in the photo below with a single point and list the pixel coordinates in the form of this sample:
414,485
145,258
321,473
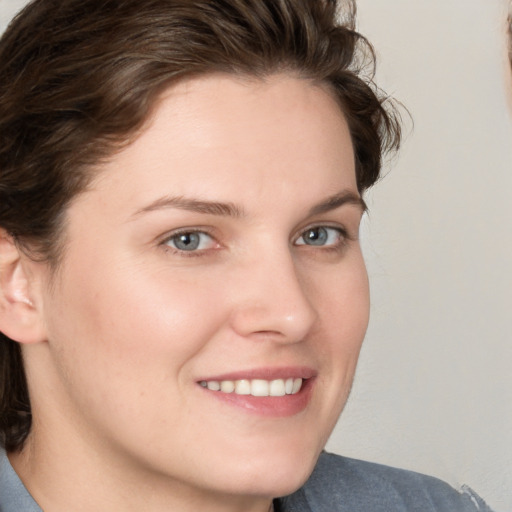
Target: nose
272,301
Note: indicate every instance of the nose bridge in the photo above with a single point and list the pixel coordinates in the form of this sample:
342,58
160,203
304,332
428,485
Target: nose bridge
272,299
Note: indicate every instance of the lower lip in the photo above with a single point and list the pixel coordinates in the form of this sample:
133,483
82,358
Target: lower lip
270,406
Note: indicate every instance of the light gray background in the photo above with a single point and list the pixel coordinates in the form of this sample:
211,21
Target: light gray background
434,385
433,391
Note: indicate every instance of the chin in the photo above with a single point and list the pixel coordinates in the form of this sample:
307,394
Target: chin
272,474
286,481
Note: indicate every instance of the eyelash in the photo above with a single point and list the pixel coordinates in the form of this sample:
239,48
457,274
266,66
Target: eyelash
339,245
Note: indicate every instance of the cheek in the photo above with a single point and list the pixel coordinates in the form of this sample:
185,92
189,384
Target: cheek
342,300
124,343
344,303
128,323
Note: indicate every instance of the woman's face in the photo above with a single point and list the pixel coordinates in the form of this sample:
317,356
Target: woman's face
220,249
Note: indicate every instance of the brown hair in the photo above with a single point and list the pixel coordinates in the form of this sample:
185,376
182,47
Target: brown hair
78,78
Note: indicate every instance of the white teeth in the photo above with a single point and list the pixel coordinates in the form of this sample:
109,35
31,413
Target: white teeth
227,386
256,387
277,388
243,387
297,384
259,387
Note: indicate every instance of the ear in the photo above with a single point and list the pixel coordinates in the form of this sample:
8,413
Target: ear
20,317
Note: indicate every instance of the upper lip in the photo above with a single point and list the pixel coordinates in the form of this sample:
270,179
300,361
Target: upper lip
265,373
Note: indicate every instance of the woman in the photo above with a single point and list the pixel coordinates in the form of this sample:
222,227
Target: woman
183,295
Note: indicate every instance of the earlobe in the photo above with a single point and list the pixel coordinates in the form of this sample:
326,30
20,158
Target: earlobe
20,317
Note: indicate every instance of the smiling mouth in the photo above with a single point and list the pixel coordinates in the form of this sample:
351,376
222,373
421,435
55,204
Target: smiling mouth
255,387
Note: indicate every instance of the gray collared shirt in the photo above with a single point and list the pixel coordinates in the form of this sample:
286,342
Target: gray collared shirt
337,484
14,497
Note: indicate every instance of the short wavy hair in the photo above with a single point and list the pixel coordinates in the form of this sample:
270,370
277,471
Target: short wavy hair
78,79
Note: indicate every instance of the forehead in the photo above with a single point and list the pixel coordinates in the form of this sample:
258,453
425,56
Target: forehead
239,133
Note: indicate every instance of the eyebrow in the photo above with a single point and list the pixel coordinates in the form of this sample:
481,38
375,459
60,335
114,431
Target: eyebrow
232,210
338,200
194,205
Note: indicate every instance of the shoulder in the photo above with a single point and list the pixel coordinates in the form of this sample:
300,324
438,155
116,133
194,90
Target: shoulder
13,495
340,483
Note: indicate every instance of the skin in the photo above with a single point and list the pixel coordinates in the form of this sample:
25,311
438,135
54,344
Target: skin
130,323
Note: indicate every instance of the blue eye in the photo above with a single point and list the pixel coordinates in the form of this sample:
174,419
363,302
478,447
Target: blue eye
190,241
320,236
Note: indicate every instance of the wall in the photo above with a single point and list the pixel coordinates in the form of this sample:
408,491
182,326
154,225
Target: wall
434,387
7,10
